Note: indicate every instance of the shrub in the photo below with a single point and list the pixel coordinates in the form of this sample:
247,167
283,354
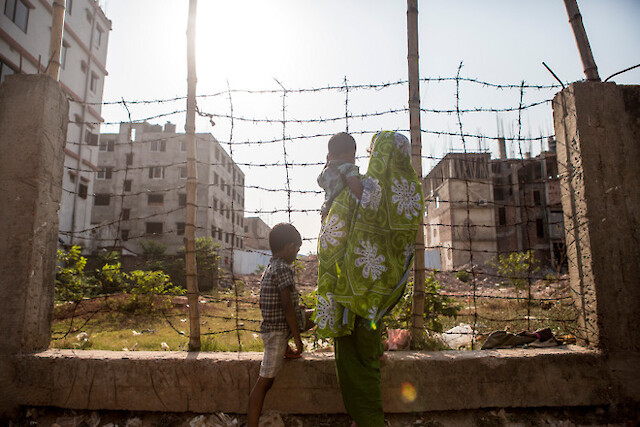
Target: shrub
463,275
436,306
153,248
71,283
517,268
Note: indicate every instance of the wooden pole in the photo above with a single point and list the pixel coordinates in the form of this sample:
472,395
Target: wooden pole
417,309
589,64
55,45
190,128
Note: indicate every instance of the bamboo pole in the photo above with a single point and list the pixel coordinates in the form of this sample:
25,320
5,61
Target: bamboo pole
55,45
417,309
589,64
190,128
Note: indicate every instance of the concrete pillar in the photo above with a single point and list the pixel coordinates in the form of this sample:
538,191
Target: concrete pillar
598,131
33,127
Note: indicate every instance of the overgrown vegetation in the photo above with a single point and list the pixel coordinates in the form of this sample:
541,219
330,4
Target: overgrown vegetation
73,283
437,308
518,268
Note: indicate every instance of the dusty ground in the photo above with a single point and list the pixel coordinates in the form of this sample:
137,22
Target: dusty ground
566,417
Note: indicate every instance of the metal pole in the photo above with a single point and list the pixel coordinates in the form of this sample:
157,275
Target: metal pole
417,309
190,128
55,46
589,64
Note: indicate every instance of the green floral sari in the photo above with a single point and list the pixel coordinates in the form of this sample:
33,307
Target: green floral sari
365,249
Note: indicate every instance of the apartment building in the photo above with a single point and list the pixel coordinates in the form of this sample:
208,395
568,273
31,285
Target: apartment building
25,33
478,207
140,190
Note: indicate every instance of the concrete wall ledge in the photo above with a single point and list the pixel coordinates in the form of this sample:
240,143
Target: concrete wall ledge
208,382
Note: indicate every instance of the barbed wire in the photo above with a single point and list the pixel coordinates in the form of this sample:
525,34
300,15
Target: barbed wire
227,199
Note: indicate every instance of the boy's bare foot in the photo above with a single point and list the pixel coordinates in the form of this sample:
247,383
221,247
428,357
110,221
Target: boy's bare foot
290,354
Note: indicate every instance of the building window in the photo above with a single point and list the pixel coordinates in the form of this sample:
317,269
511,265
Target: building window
124,235
105,173
102,200
92,139
226,237
69,7
183,146
127,185
83,67
129,159
94,83
183,171
536,198
182,200
156,172
99,33
155,199
180,228
502,216
105,145
82,191
214,203
437,202
215,178
220,234
540,228
153,227
18,12
158,146
126,213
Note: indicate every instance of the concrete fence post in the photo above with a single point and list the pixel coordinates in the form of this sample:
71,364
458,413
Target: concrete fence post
33,129
598,130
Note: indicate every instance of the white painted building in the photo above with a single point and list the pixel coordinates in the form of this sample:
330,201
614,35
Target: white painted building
25,32
140,190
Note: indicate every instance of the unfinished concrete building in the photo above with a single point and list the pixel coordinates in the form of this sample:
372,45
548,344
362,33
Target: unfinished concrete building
25,33
528,206
256,234
460,219
140,190
478,207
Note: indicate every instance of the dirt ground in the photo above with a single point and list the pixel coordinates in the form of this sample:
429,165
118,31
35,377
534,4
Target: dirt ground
566,417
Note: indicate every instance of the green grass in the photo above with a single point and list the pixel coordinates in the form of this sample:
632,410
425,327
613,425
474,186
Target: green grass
110,325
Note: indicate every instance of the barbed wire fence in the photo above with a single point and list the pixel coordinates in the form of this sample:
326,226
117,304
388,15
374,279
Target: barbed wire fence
140,182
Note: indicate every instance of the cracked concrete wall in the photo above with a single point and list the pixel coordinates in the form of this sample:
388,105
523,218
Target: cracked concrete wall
598,132
33,123
209,382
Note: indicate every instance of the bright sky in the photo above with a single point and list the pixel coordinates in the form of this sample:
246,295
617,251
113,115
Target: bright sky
309,44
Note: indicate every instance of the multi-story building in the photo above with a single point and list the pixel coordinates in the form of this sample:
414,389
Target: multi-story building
478,208
459,213
25,33
140,190
528,208
256,233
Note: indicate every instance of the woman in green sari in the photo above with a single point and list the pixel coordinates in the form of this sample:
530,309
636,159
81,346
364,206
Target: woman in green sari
365,252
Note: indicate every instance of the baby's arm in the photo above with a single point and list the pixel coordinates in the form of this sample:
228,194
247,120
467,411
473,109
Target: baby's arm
355,185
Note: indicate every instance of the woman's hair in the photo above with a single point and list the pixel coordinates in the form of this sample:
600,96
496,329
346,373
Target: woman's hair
341,143
281,235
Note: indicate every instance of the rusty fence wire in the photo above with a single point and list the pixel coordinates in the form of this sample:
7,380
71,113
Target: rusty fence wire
494,226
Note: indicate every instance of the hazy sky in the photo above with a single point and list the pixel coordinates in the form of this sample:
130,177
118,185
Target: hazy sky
310,44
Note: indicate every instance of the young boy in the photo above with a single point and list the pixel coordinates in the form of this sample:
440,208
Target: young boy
340,170
282,315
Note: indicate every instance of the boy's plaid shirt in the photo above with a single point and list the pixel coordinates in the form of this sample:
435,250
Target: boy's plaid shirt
277,276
